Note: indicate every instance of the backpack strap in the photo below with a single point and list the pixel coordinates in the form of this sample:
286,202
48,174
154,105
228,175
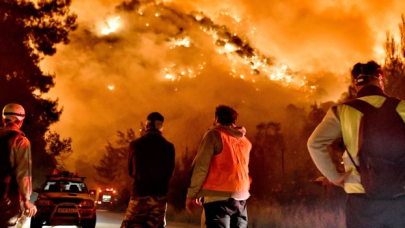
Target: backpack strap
391,103
364,107
361,106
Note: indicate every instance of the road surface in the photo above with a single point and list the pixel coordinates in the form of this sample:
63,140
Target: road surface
106,219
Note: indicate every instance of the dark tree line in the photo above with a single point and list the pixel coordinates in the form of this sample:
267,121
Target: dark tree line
280,165
28,33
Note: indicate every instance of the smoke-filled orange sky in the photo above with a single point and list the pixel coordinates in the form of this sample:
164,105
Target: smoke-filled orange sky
318,40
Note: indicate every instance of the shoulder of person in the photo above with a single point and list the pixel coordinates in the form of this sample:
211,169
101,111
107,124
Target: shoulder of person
213,131
19,138
167,142
136,141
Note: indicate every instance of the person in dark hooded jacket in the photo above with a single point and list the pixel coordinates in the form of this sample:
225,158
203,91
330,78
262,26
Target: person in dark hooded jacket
151,164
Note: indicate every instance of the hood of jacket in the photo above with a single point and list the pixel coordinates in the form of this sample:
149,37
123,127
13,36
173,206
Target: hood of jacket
236,131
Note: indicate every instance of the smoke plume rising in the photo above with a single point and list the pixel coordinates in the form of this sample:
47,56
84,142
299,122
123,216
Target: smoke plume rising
183,58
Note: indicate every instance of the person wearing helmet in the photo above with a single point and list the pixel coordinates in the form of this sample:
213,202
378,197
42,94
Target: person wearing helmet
15,168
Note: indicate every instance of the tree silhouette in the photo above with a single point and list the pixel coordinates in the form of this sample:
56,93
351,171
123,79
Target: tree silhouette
28,33
394,67
112,168
266,161
59,149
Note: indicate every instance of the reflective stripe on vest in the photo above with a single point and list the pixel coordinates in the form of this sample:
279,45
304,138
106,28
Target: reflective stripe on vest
229,170
352,183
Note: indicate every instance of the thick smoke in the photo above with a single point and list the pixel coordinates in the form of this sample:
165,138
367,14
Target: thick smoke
111,82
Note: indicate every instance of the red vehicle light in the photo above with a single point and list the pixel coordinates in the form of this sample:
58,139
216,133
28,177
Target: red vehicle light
86,203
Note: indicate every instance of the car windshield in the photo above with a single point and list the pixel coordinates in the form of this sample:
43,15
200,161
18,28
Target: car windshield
65,186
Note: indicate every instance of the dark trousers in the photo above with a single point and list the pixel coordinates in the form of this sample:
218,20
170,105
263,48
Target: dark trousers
363,212
226,214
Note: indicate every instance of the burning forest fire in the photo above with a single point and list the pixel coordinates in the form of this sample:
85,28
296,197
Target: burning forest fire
182,58
280,64
246,62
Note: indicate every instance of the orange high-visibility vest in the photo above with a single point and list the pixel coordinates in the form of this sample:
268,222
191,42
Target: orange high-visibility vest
229,170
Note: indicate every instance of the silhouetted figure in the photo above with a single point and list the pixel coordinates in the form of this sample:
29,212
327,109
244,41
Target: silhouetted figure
150,164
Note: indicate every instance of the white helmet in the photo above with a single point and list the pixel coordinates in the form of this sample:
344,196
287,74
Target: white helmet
13,112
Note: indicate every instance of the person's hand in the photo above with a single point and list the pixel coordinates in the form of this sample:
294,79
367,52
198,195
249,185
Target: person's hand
29,209
191,203
342,178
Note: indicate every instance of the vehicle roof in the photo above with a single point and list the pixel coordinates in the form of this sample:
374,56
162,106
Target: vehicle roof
78,179
64,175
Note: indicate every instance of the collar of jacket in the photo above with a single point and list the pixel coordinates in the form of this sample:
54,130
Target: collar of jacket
371,90
153,131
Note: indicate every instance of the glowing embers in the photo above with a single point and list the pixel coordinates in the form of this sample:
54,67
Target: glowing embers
236,18
176,72
246,61
111,25
188,36
180,42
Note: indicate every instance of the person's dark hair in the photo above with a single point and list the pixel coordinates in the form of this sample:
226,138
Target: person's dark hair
152,117
225,115
362,73
155,116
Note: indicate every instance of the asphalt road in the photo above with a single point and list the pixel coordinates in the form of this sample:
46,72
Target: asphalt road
106,219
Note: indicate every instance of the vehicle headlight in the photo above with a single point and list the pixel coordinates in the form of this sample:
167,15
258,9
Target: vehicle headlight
44,202
87,203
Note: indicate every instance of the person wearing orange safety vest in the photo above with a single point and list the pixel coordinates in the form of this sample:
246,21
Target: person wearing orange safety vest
343,121
220,174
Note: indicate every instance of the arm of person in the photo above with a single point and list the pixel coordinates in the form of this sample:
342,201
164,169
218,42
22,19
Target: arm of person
202,162
131,160
323,136
209,146
172,160
23,168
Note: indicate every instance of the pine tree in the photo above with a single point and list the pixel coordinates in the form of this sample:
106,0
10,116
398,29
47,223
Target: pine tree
59,149
266,161
113,166
28,33
394,67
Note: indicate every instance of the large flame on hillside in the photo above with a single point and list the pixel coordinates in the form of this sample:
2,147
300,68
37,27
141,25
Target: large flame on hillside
111,26
245,61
